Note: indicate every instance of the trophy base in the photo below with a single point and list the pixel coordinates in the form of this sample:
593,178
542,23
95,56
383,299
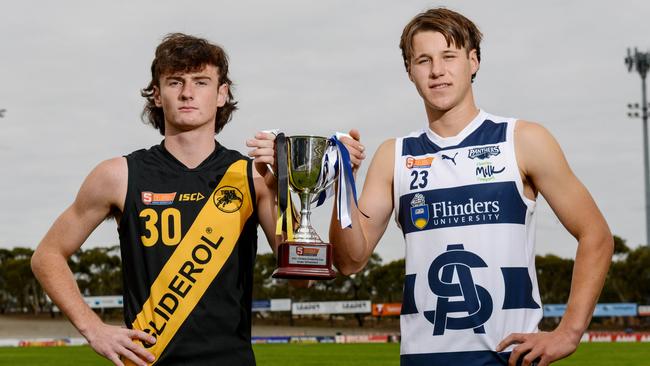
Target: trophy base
306,261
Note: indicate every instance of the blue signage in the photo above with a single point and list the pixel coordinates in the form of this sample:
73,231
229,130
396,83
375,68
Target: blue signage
602,310
261,305
616,309
554,310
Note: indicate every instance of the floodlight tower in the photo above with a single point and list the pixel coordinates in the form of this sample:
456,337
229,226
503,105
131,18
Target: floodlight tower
640,61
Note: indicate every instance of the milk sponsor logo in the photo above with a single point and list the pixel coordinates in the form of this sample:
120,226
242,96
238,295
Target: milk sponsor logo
484,152
485,171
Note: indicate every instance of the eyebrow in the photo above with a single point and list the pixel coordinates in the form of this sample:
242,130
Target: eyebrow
423,54
427,54
179,78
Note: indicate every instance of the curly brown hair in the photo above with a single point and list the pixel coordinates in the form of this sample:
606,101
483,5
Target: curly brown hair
456,28
183,53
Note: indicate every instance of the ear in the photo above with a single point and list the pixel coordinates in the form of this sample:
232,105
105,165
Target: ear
156,96
474,63
408,71
222,95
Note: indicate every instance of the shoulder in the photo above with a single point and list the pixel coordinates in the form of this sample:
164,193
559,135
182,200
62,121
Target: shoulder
533,140
107,182
386,147
385,155
530,130
231,154
113,171
532,136
141,154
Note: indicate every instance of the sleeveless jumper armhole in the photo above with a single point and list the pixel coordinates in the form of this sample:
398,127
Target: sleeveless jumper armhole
129,190
512,124
396,179
251,186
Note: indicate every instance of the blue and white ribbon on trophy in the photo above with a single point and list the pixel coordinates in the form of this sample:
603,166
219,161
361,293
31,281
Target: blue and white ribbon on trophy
337,160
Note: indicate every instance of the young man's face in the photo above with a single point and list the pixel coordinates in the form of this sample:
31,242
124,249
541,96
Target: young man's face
442,74
190,100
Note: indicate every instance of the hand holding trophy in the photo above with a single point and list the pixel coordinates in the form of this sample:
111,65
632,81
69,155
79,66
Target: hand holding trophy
308,166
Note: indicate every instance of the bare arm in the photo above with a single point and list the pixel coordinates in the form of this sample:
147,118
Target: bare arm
103,190
578,212
353,246
265,185
267,208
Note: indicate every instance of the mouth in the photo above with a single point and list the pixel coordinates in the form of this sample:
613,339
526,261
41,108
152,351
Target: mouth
439,85
187,109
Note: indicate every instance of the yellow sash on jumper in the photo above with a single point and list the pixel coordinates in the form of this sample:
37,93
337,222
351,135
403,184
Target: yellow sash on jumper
197,260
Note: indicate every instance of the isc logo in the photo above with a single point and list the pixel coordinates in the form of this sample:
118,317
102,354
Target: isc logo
197,196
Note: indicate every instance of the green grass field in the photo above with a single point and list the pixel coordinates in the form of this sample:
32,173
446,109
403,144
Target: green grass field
591,354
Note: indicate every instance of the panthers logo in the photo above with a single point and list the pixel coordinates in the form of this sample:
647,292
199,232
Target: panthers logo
228,199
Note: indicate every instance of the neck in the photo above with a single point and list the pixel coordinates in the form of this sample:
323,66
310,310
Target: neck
450,122
190,147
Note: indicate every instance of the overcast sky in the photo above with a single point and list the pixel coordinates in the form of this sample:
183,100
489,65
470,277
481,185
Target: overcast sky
71,72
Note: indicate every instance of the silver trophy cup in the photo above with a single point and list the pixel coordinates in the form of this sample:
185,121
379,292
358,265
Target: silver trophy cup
306,256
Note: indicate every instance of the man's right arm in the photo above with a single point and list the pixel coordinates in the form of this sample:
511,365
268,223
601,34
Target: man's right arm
103,191
353,246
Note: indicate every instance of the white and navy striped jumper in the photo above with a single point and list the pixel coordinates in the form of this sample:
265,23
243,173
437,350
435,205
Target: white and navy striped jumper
469,231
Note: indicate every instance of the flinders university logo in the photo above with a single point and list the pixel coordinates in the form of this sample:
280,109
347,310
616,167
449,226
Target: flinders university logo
419,211
470,300
484,152
474,204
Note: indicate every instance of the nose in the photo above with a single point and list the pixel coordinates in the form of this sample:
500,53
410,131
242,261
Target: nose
187,93
437,69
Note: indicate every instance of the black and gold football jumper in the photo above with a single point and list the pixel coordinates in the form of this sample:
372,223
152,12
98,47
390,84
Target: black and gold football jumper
188,240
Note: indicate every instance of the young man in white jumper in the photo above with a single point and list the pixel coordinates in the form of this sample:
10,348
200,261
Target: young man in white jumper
464,192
